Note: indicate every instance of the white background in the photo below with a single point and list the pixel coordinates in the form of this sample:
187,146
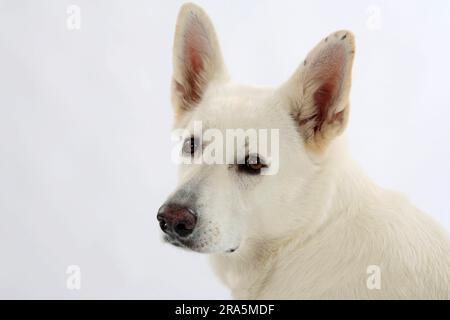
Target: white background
85,126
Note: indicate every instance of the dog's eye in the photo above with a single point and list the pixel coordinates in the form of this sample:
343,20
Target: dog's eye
190,145
252,165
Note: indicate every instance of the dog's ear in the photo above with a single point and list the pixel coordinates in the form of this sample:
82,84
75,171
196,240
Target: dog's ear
318,92
197,59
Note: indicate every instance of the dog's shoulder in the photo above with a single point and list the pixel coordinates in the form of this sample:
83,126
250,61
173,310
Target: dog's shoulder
411,250
386,234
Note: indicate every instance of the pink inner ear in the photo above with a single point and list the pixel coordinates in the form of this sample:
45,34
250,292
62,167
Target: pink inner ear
324,94
323,98
194,59
195,51
196,45
330,67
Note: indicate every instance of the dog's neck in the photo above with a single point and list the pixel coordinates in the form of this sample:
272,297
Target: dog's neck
330,196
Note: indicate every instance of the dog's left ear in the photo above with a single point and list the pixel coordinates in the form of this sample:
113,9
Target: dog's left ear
197,58
318,92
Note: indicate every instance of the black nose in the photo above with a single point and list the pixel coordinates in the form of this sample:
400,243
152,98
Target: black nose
176,219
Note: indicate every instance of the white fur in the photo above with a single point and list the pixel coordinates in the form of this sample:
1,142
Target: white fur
313,229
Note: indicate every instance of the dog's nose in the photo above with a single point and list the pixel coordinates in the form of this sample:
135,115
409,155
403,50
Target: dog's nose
178,219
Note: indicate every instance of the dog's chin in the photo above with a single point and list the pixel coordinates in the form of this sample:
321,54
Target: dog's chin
192,245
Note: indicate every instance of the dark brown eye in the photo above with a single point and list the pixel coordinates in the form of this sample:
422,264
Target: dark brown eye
252,165
190,145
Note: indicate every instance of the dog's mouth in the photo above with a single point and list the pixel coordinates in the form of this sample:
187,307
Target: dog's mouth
232,249
182,243
190,244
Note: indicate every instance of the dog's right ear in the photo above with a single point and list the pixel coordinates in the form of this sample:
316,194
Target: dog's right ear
197,59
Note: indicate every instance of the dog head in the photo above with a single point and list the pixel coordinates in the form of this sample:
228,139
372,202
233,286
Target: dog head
218,206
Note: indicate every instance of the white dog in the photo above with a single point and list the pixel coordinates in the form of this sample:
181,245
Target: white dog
318,228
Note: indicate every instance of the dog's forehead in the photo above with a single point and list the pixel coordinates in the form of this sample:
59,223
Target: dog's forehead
238,107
